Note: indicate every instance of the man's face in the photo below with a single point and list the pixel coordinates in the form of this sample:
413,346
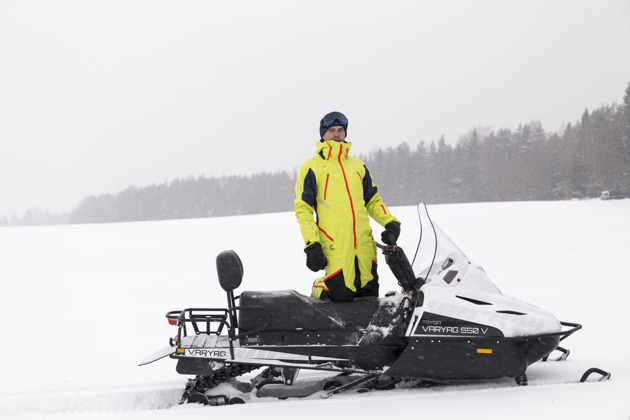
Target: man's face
336,133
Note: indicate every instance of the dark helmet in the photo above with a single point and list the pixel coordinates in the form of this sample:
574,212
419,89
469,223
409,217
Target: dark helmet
333,119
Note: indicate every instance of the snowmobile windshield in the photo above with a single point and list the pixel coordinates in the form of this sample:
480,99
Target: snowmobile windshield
437,259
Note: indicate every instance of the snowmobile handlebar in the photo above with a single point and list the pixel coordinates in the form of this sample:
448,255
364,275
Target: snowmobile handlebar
384,247
398,263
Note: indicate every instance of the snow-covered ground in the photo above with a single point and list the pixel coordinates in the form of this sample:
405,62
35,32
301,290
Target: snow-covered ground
82,305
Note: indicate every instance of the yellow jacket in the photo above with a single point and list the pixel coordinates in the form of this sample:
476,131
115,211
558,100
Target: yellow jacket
339,189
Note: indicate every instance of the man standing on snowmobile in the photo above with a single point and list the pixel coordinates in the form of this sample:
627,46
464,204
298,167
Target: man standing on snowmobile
339,189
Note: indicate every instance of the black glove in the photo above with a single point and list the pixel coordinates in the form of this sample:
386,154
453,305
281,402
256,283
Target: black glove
315,258
391,233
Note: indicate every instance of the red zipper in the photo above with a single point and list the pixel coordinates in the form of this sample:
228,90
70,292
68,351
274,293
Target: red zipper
354,220
326,187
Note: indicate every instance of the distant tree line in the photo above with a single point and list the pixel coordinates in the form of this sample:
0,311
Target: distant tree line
34,217
191,198
589,156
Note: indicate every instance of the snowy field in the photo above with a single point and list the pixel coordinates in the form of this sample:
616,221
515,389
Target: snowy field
83,305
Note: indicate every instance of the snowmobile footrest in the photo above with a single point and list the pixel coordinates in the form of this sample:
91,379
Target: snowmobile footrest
352,384
332,385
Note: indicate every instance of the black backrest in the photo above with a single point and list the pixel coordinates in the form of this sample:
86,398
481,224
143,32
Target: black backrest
230,270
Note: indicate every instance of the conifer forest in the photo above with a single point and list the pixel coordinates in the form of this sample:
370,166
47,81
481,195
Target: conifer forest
588,157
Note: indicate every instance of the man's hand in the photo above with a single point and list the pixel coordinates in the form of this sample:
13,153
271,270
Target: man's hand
315,258
391,233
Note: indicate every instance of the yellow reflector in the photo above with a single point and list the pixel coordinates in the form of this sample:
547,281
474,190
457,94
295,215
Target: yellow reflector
485,351
181,350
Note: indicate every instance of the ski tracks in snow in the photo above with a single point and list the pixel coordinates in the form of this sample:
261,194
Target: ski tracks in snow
144,401
89,401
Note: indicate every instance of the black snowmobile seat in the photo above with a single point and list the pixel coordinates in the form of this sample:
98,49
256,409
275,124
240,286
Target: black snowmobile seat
288,310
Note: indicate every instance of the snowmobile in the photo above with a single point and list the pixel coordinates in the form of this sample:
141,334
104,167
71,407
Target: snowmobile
448,323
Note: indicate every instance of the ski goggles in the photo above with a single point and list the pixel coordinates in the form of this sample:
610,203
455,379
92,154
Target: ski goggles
334,118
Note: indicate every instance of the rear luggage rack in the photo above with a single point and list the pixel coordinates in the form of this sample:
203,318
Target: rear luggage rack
210,321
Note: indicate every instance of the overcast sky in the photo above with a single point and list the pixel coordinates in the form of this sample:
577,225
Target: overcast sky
99,95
